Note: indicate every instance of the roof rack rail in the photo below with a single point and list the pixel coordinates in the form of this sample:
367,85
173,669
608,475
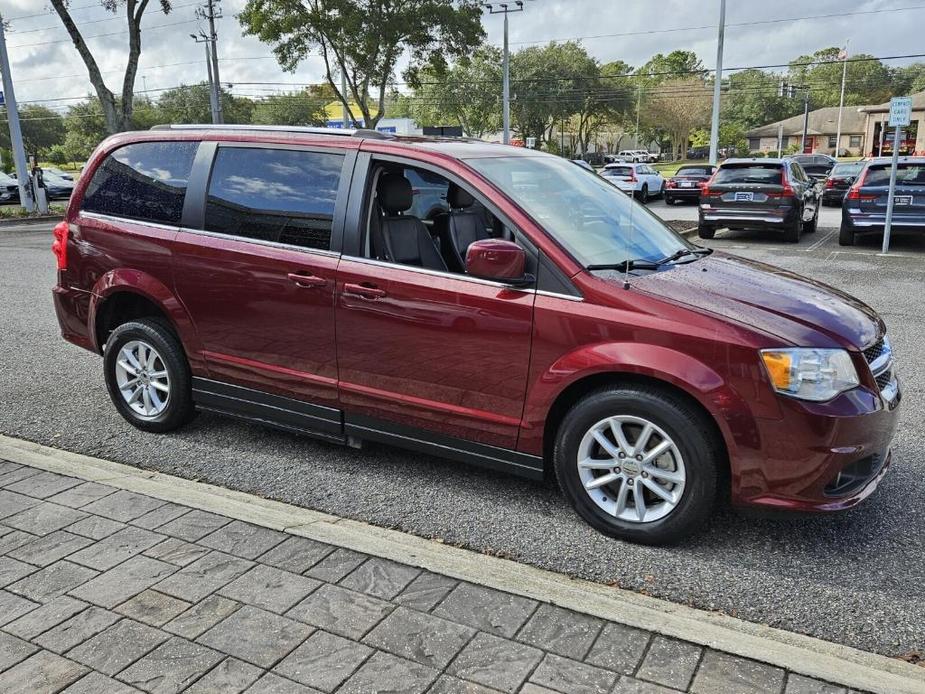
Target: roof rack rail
342,132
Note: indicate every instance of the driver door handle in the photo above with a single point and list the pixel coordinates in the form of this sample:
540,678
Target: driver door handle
367,291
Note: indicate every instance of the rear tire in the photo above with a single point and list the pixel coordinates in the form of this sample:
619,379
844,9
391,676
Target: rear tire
691,457
147,375
706,232
846,235
644,193
794,231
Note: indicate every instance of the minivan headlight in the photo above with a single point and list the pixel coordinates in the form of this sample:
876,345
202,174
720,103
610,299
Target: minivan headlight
809,373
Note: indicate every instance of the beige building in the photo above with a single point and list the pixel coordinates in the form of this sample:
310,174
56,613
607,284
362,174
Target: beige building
821,133
875,127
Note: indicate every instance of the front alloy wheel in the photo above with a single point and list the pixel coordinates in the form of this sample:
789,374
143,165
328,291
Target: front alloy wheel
631,469
639,462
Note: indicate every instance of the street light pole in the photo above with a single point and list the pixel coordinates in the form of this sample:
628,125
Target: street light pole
717,85
505,8
12,113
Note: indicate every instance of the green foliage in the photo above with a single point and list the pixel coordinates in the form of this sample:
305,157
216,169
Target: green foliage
57,155
672,109
467,94
751,99
866,82
365,39
41,128
908,79
305,107
189,103
676,65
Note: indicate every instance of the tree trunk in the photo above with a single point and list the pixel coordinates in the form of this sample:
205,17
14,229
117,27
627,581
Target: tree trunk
131,69
107,99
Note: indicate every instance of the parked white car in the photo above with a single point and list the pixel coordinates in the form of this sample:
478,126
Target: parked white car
637,155
640,180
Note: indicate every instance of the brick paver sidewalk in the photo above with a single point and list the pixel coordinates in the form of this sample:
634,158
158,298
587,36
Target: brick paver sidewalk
104,590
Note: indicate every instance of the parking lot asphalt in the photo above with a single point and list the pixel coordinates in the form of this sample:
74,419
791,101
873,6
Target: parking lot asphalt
853,578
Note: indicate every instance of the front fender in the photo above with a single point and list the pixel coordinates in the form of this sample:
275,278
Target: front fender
683,371
125,280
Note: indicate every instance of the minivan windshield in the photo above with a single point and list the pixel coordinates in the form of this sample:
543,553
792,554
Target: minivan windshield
592,219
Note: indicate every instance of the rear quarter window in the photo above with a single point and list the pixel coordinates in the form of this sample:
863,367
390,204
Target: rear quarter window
144,181
279,195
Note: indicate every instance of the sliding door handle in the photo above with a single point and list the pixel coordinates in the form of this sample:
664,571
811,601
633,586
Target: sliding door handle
367,291
304,280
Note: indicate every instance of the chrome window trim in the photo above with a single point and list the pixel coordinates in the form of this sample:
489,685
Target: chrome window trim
114,218
204,232
557,295
440,273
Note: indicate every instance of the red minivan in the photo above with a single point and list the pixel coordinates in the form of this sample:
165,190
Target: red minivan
534,320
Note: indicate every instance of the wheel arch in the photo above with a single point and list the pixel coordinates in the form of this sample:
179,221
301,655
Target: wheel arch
581,387
122,295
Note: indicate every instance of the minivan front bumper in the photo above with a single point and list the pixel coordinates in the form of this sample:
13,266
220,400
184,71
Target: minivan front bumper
821,457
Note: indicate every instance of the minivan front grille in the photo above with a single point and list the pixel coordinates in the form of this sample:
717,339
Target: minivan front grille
879,358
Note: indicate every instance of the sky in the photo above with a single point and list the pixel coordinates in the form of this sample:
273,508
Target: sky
47,69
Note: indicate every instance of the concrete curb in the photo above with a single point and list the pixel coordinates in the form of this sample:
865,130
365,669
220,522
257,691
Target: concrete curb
18,221
801,654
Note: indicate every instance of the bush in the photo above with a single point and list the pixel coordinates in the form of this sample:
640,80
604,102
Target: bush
57,155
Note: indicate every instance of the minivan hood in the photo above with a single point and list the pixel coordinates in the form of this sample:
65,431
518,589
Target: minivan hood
775,301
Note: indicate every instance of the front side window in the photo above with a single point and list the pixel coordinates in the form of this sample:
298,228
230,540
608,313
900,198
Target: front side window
278,195
145,181
590,217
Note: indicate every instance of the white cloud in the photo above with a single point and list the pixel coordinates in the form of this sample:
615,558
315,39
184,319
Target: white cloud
46,66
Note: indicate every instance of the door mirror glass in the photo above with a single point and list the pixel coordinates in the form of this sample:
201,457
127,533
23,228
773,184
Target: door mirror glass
497,259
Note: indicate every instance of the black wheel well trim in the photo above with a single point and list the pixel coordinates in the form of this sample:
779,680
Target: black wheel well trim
577,390
137,306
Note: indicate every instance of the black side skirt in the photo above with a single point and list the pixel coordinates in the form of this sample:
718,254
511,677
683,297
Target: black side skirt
333,425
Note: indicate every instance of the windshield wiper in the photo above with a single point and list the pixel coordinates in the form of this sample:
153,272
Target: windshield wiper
646,264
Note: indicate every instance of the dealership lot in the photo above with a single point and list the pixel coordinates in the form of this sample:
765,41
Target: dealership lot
852,578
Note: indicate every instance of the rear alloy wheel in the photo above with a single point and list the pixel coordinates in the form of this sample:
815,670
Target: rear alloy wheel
148,376
845,235
644,193
638,464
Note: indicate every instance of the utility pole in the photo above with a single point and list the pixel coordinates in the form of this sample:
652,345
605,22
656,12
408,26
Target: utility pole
505,8
12,114
843,56
214,101
717,85
343,90
210,12
638,104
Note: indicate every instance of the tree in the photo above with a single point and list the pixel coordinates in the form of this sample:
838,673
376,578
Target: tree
468,93
85,127
117,113
294,108
189,103
363,40
676,65
677,107
752,99
550,84
42,128
908,79
867,79
607,100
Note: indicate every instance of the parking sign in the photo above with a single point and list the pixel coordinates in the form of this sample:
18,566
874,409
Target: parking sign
900,110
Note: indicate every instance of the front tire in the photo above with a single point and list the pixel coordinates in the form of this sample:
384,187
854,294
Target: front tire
147,375
811,226
638,463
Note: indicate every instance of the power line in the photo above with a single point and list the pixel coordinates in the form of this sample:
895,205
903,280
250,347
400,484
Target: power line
97,36
713,26
60,26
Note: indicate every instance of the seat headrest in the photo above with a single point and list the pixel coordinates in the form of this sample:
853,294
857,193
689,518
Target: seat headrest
457,197
394,193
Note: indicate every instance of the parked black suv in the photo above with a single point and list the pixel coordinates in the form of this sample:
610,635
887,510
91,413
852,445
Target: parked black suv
864,208
759,194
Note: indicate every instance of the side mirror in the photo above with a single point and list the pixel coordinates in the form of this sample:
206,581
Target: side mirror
499,260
